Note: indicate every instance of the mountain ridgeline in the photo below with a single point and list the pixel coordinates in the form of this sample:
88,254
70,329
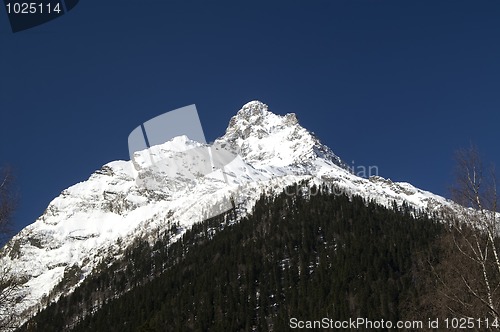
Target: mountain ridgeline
137,247
306,253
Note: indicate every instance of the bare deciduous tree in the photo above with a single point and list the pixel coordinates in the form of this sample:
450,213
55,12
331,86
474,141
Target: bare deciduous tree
476,192
9,283
468,273
7,201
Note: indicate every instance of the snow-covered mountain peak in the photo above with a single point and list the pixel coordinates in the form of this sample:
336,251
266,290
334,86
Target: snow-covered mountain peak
262,137
178,144
175,146
253,108
255,119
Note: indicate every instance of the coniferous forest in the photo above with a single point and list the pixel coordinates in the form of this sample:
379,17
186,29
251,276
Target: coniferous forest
302,256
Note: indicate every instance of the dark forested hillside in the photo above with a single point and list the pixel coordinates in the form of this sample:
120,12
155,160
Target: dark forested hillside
302,256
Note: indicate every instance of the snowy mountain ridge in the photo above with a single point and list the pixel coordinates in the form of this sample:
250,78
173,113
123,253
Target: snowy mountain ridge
95,219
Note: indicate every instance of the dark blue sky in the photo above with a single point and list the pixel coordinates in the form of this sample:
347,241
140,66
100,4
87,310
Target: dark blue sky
396,84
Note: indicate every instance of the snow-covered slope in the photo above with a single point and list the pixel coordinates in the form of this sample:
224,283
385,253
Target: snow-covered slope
95,219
